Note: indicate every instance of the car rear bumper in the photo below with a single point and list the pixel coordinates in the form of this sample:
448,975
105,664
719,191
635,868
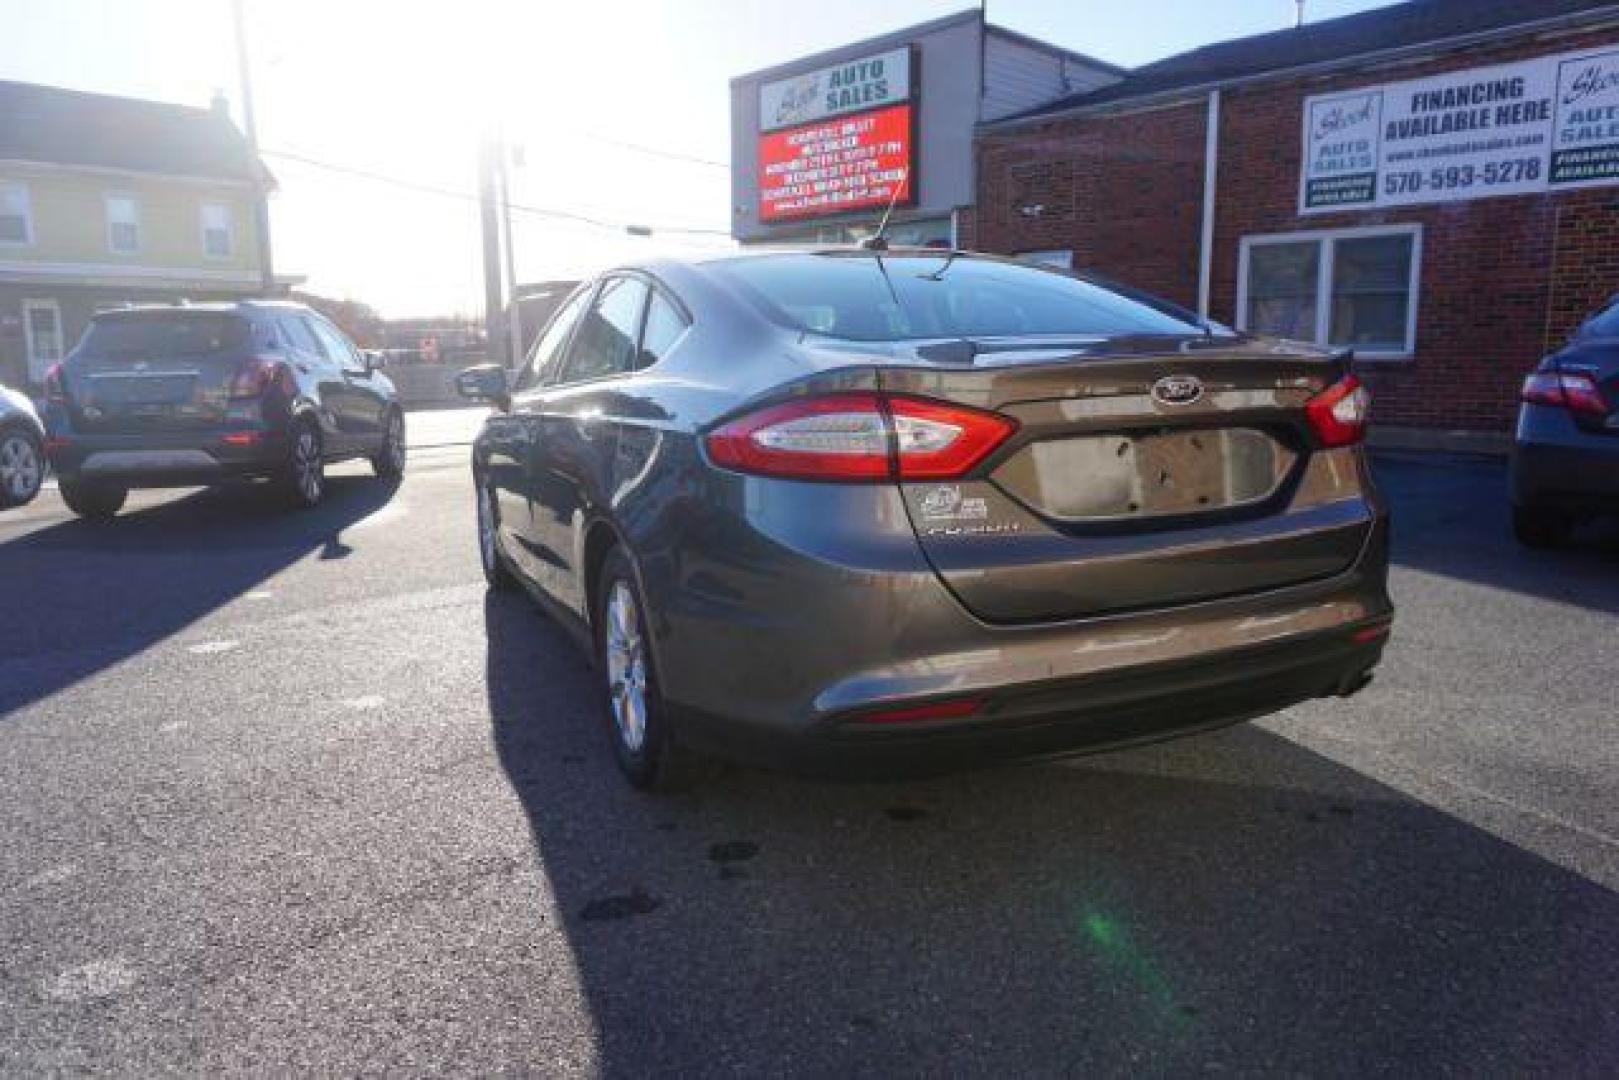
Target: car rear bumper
783,662
1062,717
167,459
1556,463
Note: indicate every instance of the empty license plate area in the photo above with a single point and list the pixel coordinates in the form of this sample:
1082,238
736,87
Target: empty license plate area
141,389
1139,476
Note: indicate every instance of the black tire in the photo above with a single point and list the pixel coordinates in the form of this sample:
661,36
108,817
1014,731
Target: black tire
389,461
93,499
22,466
302,477
496,571
659,761
1540,527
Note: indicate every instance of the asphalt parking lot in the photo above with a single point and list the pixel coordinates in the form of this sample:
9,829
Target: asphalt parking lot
294,792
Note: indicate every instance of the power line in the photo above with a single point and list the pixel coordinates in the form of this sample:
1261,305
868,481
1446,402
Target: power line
467,196
654,151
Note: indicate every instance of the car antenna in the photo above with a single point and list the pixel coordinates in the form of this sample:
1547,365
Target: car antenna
877,241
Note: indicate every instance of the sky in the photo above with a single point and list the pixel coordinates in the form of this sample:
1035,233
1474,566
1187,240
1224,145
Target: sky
403,90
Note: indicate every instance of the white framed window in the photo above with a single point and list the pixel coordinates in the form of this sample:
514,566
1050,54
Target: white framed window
1349,288
42,331
217,240
16,214
123,223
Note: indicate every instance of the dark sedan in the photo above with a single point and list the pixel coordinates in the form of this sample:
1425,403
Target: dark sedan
1565,457
195,394
865,511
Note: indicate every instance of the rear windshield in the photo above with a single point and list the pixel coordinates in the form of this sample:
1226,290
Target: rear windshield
864,298
128,337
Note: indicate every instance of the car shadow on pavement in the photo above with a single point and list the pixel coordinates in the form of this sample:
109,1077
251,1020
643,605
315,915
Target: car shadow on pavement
1227,902
92,594
1452,516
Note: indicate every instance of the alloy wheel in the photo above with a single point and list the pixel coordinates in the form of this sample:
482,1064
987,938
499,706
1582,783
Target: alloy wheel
306,466
627,666
21,470
396,440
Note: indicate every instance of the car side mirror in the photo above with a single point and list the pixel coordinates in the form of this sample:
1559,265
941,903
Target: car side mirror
486,382
374,361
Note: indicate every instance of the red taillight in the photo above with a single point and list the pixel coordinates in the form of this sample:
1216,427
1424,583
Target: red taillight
859,436
53,385
254,376
1570,390
948,709
1337,414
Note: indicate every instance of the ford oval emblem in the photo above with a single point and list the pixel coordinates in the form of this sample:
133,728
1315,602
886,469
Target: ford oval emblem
1177,389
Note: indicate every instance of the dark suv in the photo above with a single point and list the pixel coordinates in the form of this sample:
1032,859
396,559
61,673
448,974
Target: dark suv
195,394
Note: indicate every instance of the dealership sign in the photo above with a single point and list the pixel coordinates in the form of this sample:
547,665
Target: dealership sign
1540,125
839,139
855,86
850,163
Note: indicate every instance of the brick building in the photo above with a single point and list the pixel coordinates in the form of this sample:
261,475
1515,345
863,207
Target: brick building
1435,184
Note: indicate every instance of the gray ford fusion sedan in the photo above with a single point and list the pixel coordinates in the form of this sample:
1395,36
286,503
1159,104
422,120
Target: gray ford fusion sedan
868,511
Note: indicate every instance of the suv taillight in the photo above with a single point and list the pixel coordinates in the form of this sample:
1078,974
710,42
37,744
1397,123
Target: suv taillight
859,436
1337,414
54,390
254,376
1565,390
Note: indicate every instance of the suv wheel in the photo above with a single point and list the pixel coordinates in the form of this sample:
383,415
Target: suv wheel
92,499
303,474
22,466
495,570
390,459
1539,527
644,741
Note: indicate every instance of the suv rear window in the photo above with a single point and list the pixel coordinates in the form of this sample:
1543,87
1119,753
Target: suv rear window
164,333
864,298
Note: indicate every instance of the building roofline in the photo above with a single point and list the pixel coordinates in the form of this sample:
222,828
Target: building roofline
892,37
1172,95
1046,46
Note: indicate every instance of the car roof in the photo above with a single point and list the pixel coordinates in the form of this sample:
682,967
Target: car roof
217,307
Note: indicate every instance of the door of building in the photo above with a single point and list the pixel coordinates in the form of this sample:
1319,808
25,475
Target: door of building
42,330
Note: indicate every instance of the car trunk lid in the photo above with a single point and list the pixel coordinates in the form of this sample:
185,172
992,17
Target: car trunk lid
1145,472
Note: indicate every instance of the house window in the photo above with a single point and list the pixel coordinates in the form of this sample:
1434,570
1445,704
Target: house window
1354,288
16,216
123,224
216,231
42,330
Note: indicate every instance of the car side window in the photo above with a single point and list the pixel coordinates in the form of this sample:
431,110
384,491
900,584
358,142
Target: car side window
267,336
298,336
337,347
543,357
664,324
606,341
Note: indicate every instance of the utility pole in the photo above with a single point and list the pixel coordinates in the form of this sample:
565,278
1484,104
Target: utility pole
261,198
514,314
489,220
1300,21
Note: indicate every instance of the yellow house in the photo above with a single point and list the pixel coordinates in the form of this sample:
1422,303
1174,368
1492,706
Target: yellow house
107,201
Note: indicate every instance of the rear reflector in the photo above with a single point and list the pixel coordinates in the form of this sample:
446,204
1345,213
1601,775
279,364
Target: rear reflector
859,436
1574,391
1370,633
242,438
1337,414
949,709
